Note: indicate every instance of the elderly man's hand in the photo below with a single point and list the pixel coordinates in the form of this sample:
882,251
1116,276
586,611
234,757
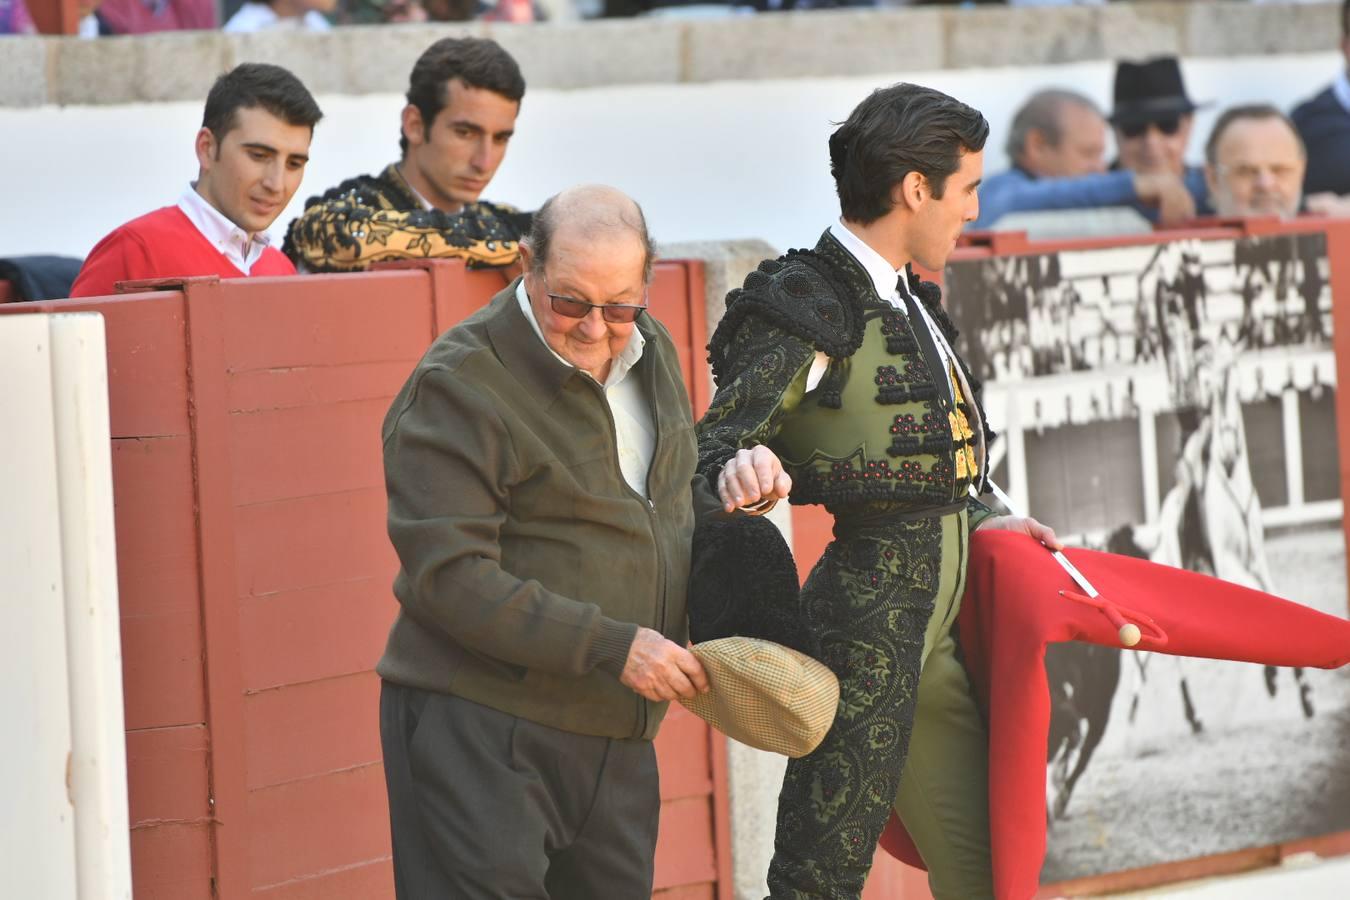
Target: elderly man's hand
752,477
660,669
1027,525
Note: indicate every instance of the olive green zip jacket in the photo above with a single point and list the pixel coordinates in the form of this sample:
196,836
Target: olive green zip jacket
527,562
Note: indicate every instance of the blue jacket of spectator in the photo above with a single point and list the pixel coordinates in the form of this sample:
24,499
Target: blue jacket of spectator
1324,124
1017,190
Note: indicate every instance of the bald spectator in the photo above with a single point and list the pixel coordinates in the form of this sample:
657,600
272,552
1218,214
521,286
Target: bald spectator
1254,163
1324,125
1058,148
540,463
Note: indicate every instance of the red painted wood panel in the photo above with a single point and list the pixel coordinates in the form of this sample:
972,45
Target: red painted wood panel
360,881
316,632
157,582
297,452
812,531
282,323
167,779
285,388
682,755
317,825
703,891
311,541
306,730
147,363
171,862
684,849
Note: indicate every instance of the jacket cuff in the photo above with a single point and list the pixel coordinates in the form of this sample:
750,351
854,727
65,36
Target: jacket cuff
609,650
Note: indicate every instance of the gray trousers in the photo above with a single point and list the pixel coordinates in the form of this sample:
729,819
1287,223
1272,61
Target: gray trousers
487,805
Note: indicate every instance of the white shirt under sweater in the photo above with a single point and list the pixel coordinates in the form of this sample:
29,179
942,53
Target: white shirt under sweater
224,235
633,429
887,282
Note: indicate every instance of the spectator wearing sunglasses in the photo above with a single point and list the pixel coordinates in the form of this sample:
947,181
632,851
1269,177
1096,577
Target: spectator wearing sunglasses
540,463
1254,163
1324,124
1152,119
1058,148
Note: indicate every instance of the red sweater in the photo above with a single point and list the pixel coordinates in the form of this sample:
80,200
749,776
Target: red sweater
162,244
1012,609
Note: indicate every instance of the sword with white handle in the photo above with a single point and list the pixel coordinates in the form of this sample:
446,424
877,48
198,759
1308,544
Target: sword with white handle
1127,631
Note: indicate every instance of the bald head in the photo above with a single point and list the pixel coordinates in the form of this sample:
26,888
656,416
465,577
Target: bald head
587,215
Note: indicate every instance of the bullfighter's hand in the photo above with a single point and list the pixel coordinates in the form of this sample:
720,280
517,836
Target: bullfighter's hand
660,669
753,478
1026,525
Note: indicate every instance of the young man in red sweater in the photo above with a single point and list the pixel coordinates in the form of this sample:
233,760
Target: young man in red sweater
251,150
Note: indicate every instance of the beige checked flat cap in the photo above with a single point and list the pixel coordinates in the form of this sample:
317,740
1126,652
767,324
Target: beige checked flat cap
765,695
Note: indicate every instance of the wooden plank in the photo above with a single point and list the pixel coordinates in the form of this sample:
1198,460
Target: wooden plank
668,303
304,828
306,730
162,682
890,879
685,892
171,862
1167,873
700,386
167,777
461,292
311,633
364,881
726,887
162,679
319,320
147,362
1338,253
812,531
682,755
309,541
220,622
281,454
684,846
284,388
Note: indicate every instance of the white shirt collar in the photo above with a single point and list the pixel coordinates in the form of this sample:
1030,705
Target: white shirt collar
426,204
885,278
632,351
223,234
1341,88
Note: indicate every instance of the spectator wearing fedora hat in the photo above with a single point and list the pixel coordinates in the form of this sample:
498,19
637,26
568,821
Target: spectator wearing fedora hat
1058,148
1152,117
1323,123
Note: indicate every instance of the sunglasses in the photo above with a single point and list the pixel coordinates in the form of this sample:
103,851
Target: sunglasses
1168,125
616,313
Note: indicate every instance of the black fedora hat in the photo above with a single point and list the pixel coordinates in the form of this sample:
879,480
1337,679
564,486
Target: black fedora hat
1149,90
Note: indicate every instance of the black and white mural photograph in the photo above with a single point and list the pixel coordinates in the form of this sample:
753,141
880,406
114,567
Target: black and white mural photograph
1175,402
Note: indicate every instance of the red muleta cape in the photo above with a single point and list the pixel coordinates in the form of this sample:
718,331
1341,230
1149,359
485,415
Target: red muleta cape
1012,609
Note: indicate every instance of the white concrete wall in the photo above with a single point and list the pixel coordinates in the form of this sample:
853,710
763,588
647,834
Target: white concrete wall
729,159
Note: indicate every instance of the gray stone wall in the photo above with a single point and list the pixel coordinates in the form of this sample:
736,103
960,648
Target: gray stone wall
570,55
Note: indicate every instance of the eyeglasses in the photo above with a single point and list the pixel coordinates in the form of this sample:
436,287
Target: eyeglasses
617,313
1168,125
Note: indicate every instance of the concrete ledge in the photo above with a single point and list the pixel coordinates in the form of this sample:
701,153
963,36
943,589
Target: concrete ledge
35,71
818,44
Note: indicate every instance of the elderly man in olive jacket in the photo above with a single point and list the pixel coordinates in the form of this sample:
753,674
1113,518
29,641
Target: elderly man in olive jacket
542,497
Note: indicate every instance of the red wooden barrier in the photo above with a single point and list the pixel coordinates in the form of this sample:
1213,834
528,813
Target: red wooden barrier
255,574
